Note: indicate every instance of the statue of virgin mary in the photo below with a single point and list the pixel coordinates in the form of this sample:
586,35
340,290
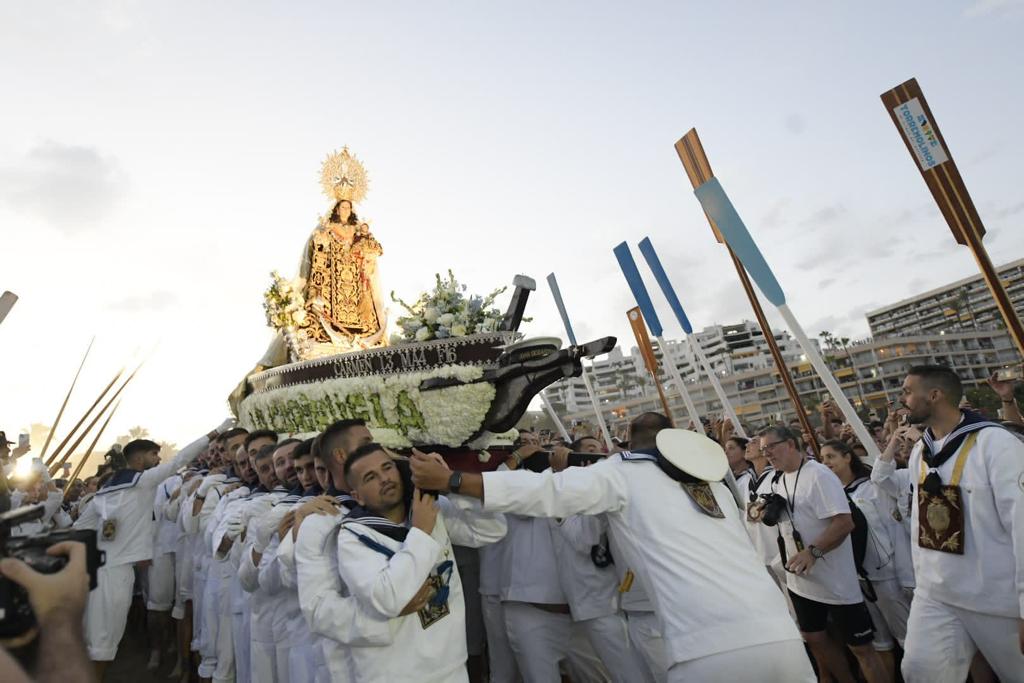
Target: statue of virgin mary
341,304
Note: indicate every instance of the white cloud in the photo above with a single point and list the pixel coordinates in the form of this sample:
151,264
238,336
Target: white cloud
71,187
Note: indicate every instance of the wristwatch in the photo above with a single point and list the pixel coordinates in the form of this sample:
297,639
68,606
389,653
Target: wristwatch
816,552
455,482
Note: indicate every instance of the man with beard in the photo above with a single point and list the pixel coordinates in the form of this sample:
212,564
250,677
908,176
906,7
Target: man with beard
967,527
396,558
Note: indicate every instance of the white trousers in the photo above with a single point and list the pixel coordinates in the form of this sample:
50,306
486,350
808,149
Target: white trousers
942,640
106,611
889,613
210,620
295,663
785,660
240,637
262,662
645,637
500,658
609,636
160,583
224,672
542,641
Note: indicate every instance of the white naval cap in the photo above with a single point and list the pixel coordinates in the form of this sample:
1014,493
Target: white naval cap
693,453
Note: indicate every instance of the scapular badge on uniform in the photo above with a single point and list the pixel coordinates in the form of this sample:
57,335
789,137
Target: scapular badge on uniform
940,508
700,493
437,607
109,529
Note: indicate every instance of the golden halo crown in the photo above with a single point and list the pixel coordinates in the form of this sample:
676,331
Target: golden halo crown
343,177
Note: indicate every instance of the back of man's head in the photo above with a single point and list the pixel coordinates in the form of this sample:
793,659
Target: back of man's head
643,431
942,378
334,438
137,448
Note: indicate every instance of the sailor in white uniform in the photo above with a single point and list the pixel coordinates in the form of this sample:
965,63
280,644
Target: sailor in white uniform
122,514
967,526
679,528
160,574
397,560
336,621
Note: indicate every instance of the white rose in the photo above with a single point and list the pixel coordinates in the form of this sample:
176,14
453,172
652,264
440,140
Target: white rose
299,317
458,330
446,319
430,315
423,334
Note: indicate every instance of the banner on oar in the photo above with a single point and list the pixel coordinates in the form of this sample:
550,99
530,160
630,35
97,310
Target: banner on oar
909,110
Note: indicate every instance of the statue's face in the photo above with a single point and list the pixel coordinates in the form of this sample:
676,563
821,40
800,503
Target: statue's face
344,210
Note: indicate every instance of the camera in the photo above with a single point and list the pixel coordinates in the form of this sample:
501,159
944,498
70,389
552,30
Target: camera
767,509
16,616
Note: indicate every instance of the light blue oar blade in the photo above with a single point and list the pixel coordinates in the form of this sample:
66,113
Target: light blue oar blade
717,205
557,293
654,263
643,299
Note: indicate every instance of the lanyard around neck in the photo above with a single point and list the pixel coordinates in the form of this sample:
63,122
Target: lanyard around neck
791,502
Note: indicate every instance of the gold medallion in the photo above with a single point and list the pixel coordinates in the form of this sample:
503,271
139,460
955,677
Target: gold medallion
701,494
109,529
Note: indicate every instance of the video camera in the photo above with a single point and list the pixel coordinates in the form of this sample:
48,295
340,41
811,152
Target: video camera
16,616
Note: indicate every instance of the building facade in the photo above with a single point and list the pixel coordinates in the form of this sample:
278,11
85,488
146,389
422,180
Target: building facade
962,305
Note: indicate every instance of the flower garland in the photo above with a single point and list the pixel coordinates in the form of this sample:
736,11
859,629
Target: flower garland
395,410
285,304
447,311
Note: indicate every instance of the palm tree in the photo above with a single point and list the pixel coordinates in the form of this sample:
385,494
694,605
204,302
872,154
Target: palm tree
835,343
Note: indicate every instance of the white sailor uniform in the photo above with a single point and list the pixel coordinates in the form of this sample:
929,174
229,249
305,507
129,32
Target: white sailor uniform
689,563
975,600
122,515
385,574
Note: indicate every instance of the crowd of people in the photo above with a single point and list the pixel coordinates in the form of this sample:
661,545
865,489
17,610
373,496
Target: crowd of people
267,558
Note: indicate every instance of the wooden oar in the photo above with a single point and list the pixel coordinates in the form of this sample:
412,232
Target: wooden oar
57,465
53,429
95,403
92,447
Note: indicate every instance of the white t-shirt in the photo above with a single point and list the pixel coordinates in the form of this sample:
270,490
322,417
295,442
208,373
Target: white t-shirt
816,497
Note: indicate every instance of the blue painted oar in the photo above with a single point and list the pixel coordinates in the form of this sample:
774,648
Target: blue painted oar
643,300
647,249
557,294
718,207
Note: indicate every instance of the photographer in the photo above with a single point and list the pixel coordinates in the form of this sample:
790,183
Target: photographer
58,601
814,525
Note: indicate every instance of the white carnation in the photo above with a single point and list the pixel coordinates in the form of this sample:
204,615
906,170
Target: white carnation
430,315
446,319
423,334
458,330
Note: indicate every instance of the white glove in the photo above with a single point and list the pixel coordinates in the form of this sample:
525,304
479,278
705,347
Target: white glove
209,483
265,528
235,525
226,425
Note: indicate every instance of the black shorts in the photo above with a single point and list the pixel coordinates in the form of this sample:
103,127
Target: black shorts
853,621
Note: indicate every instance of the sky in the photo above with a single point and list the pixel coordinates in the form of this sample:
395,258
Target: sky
158,160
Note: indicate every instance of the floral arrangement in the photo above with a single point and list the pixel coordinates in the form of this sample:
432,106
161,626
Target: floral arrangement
396,411
447,311
284,303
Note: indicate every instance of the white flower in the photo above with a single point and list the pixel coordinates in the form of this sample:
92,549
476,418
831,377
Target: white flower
430,315
423,334
458,330
299,317
446,319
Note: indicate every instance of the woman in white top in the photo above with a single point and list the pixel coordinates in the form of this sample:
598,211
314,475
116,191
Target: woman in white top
886,549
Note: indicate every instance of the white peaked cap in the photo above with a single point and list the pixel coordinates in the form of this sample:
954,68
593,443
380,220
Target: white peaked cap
693,453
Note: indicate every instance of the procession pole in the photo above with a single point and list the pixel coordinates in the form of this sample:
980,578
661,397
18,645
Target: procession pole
643,301
717,206
698,170
654,263
557,294
57,465
554,417
53,429
60,447
92,447
920,133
